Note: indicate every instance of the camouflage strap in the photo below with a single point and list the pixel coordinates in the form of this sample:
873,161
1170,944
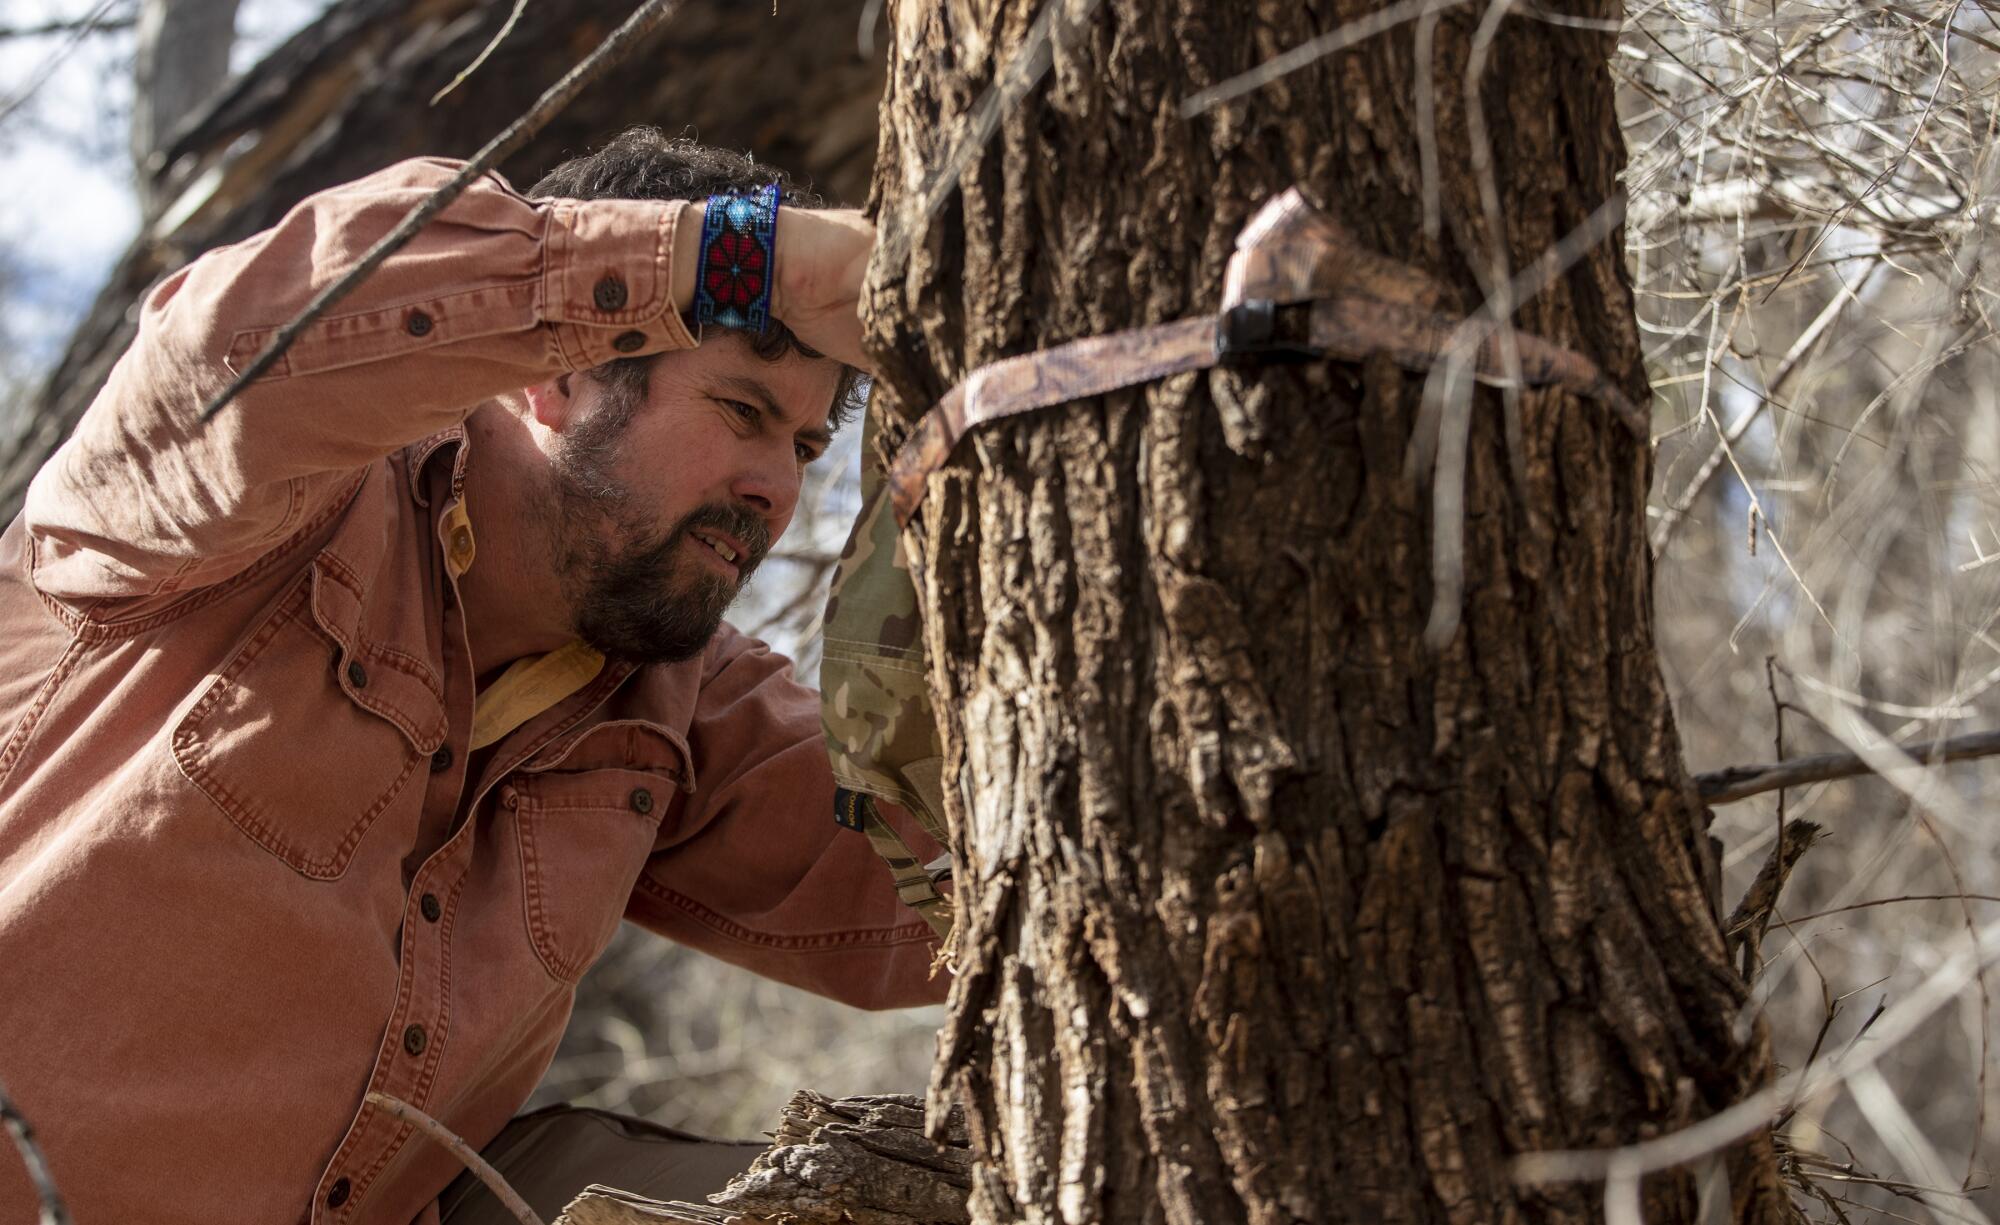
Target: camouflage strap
915,883
1298,283
1074,371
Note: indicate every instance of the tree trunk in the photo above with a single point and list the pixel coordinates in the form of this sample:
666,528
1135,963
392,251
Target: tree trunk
182,57
1271,912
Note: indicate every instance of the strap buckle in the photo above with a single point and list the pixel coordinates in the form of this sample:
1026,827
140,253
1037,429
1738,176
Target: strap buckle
1251,329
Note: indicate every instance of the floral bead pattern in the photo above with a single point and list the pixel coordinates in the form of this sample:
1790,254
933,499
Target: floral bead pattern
738,250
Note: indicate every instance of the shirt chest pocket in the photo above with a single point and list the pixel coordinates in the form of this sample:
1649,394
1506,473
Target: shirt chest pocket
312,730
583,837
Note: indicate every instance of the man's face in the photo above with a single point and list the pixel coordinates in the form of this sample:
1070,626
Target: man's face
656,516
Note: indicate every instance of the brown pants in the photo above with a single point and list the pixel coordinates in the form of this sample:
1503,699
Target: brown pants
551,1155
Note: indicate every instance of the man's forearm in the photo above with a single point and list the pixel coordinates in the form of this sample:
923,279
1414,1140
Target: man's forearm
497,294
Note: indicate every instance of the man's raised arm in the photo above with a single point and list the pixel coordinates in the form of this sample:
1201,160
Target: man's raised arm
495,294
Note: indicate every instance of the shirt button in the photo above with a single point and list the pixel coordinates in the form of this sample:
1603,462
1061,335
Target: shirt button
609,294
337,1194
357,675
441,760
429,905
415,1040
629,342
642,801
418,324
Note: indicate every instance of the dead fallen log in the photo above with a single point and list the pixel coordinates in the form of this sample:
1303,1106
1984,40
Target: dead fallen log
855,1161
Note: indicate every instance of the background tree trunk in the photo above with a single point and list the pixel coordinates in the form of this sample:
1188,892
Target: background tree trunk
1270,913
181,59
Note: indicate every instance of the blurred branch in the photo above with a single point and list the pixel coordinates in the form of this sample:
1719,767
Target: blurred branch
74,25
1901,897
1310,52
506,28
1794,358
1741,782
509,1199
53,1212
79,30
1754,1112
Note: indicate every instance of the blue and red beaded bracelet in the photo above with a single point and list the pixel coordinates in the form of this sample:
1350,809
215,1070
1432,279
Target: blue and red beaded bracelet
739,237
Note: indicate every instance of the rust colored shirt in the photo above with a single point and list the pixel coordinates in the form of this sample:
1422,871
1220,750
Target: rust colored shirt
249,869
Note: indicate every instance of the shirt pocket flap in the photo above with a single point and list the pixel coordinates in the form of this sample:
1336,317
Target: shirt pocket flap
281,743
583,837
376,672
627,744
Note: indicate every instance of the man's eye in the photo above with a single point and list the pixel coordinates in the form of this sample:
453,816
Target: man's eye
806,452
746,411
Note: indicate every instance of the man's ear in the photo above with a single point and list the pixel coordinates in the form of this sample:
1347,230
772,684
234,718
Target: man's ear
552,403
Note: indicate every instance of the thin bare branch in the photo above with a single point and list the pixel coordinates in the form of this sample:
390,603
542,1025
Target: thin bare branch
1741,782
509,1199
79,25
1306,53
53,1210
1733,1123
79,31
1901,897
1032,59
506,28
1793,360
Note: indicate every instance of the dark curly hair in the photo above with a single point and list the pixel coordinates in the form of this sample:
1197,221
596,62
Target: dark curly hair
644,163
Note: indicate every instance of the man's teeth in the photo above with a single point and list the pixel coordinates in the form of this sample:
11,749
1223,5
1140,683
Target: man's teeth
728,554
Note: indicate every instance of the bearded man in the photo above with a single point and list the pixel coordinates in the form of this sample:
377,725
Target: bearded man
338,733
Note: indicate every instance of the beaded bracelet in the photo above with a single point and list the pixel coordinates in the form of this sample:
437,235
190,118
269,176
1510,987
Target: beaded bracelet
738,255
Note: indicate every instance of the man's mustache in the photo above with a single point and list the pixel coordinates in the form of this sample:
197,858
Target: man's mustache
734,520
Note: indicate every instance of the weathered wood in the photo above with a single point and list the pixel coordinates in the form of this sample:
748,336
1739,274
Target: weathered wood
1269,911
855,1161
610,1206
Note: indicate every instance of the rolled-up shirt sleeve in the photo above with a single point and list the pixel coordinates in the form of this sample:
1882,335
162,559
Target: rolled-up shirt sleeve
754,870
495,294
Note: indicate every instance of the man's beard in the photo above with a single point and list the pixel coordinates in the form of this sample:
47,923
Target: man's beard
634,595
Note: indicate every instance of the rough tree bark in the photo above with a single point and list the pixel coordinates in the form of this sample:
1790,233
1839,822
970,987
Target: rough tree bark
1271,913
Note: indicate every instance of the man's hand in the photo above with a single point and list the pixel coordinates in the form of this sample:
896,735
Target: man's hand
822,254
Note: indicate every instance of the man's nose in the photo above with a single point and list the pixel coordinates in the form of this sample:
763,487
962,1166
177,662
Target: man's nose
770,488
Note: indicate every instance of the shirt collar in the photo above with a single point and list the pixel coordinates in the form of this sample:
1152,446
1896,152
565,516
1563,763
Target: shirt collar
454,442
